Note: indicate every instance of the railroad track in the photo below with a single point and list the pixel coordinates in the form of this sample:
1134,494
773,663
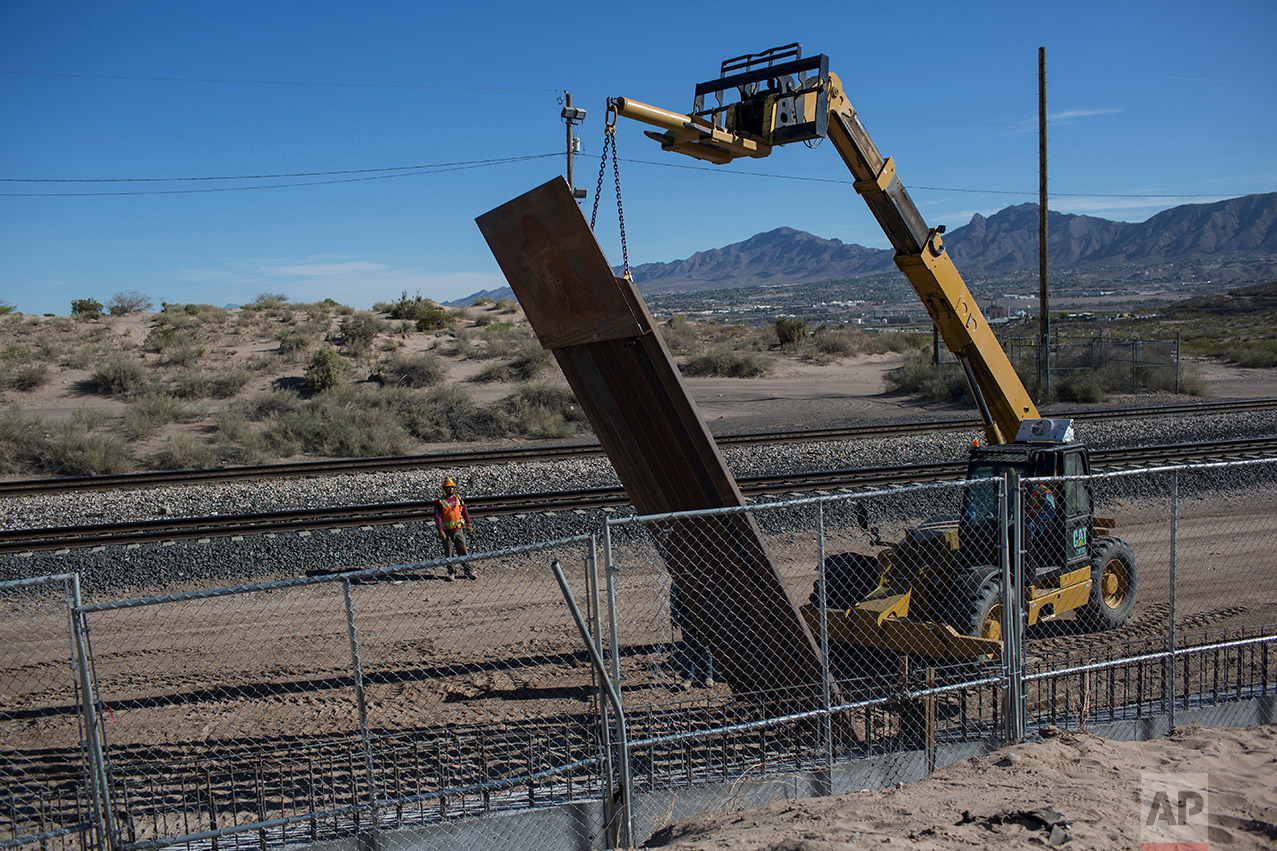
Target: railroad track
338,517
455,460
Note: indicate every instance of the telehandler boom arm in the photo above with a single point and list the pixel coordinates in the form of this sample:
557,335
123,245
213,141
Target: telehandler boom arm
782,102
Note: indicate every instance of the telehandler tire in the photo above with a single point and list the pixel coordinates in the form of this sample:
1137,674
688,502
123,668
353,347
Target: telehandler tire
1114,582
984,615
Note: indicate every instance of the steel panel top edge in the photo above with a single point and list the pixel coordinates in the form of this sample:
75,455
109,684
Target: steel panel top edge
559,274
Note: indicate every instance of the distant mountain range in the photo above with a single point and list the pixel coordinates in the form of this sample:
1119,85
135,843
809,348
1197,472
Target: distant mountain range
1003,244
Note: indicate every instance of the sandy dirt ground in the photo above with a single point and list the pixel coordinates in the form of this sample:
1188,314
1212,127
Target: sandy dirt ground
1100,789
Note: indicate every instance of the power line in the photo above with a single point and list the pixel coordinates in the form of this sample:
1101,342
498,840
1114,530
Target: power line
846,182
400,171
232,81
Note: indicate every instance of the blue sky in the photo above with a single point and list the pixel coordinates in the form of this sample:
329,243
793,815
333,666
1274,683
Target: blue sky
1150,105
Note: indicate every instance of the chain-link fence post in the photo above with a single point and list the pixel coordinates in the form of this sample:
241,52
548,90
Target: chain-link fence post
362,707
620,824
1170,633
622,836
600,693
822,601
1011,559
99,788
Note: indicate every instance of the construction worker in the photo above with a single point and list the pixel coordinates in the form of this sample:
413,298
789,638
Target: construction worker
1040,519
452,518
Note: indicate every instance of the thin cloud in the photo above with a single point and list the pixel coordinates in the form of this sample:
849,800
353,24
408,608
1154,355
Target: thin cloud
1065,115
318,270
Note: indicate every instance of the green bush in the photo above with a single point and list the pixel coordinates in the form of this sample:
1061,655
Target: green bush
120,375
324,371
149,412
1081,387
423,370
344,422
729,363
86,308
21,438
680,336
359,330
25,376
943,383
789,329
293,342
432,317
542,410
72,451
183,452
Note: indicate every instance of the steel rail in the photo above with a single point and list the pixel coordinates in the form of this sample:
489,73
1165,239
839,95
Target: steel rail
339,517
553,452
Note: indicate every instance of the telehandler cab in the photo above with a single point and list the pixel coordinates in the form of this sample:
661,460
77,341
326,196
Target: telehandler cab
938,592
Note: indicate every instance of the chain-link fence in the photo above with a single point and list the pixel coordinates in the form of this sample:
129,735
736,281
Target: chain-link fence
1120,365
582,694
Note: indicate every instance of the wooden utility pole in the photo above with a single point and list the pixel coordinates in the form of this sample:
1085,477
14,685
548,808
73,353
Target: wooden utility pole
1044,300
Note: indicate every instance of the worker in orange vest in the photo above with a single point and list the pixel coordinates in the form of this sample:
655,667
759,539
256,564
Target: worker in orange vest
452,518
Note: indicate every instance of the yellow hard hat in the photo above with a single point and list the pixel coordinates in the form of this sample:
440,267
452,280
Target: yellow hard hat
449,483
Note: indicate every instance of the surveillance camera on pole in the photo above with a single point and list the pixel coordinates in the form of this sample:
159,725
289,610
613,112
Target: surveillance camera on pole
572,116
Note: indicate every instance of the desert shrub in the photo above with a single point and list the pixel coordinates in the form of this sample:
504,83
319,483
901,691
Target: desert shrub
1257,353
484,319
7,307
119,375
531,362
494,373
73,451
941,383
192,384
293,342
183,452
897,342
680,335
163,336
500,340
827,345
344,422
21,437
128,301
423,370
149,412
1080,387
482,301
89,418
729,363
268,301
789,329
507,305
86,308
25,376
359,330
272,403
432,317
541,410
183,355
324,371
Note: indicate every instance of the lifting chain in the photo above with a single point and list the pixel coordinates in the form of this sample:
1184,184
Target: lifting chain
609,144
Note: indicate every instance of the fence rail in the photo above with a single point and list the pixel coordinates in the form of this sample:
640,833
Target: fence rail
574,696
